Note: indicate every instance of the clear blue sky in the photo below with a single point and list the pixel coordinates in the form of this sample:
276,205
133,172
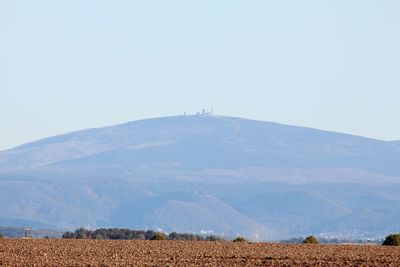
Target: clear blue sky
69,65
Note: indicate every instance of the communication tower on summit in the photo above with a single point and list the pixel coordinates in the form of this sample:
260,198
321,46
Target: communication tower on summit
204,112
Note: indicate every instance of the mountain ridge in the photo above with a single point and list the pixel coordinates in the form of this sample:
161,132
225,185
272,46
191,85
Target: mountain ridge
31,143
260,179
97,136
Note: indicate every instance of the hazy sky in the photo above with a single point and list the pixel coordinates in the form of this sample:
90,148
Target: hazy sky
69,65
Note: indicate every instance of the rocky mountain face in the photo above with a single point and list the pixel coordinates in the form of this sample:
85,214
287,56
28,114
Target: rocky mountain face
205,173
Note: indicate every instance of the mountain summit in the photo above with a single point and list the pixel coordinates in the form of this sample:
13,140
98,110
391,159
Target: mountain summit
205,173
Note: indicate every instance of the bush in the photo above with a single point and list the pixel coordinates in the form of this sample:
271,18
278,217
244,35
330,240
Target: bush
68,235
158,236
1,235
311,240
392,240
240,239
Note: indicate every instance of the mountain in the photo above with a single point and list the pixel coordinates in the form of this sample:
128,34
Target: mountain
205,173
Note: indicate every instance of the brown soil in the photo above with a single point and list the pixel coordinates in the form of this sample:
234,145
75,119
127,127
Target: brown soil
59,252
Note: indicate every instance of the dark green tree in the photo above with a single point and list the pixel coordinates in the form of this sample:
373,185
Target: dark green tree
158,236
68,235
392,240
311,240
240,239
149,234
83,233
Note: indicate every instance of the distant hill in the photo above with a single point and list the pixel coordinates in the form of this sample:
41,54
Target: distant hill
205,173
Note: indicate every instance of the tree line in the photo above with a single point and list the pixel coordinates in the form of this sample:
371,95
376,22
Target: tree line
127,234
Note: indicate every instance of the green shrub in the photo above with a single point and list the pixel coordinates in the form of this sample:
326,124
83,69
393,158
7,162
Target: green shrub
1,235
239,239
392,240
158,236
311,240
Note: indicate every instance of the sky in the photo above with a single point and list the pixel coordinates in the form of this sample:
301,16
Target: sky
71,65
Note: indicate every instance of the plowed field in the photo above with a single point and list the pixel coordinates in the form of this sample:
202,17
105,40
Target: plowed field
58,252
